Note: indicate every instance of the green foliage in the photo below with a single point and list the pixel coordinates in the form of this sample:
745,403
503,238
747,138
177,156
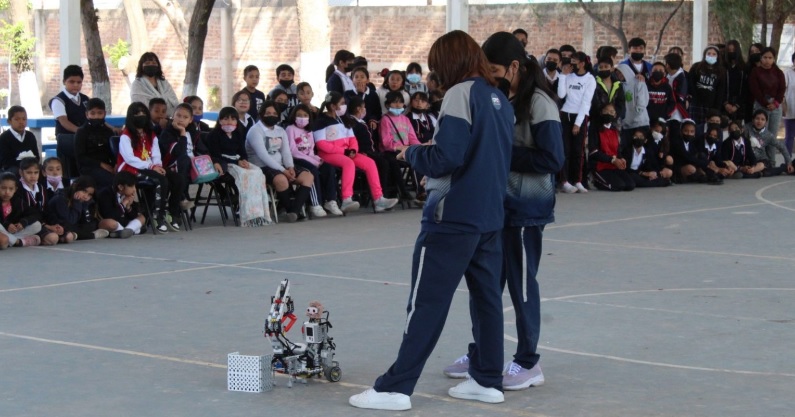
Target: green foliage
736,20
4,5
18,45
117,51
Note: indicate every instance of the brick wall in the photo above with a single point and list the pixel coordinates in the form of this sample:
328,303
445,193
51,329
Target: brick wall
388,36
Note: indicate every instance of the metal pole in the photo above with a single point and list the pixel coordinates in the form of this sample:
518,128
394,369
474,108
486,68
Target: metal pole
69,16
457,15
700,28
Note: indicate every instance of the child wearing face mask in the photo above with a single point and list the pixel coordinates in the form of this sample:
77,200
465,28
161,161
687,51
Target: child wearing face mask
684,150
414,82
765,145
197,113
711,158
396,133
368,140
605,151
19,224
337,145
302,147
285,76
139,154
94,155
76,210
660,144
34,198
662,102
280,101
394,81
738,154
643,165
707,84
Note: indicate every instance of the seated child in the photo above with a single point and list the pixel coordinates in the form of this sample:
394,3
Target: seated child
17,143
414,82
69,106
281,101
241,101
661,143
368,142
159,111
765,145
92,146
139,154
197,108
268,148
305,96
396,133
711,158
605,151
76,210
226,145
34,194
738,154
52,184
337,145
643,165
684,150
423,122
302,147
19,225
177,143
365,90
285,76
118,208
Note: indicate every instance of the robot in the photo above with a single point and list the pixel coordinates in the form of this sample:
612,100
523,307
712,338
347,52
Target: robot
315,357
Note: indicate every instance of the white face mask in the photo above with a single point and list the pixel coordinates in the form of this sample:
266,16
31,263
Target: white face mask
657,136
301,121
342,110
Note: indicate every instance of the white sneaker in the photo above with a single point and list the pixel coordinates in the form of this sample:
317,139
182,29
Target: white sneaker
568,188
580,188
101,234
516,378
471,390
459,368
331,207
384,203
348,205
373,400
317,211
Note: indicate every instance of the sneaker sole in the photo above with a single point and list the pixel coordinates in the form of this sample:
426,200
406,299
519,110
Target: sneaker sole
349,209
491,399
456,375
533,382
381,406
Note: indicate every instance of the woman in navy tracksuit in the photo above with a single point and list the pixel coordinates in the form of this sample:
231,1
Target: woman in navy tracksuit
467,169
529,205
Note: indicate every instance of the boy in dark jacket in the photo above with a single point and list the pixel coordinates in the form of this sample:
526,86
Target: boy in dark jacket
661,96
92,145
17,143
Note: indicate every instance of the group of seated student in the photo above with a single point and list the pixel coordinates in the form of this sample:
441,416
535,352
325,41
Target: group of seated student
651,124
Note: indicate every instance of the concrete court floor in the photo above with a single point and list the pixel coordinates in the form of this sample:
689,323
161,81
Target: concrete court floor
669,302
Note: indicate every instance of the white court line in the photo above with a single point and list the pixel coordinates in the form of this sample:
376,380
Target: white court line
662,290
759,197
489,407
676,213
663,310
658,248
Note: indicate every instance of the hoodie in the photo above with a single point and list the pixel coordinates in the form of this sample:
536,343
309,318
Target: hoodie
637,98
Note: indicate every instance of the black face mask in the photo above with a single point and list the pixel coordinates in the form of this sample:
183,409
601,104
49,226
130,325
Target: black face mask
436,106
711,140
688,138
96,122
604,73
551,66
280,107
286,83
270,121
735,134
140,121
151,70
608,119
638,142
754,58
637,56
732,55
657,76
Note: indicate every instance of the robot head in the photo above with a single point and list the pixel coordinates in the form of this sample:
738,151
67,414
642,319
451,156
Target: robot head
315,310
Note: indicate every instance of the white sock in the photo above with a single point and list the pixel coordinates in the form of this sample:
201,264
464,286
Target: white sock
118,227
135,226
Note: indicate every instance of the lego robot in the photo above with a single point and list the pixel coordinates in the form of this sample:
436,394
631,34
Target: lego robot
314,357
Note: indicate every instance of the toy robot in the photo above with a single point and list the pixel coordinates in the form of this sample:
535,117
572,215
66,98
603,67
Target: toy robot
305,360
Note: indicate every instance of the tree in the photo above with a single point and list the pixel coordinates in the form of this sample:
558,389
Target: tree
190,36
618,30
19,44
139,36
736,19
314,33
96,59
781,11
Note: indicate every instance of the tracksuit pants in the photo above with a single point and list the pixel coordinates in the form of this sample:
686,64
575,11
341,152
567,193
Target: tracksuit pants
348,166
439,261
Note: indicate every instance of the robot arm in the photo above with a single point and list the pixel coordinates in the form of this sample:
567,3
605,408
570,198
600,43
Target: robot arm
281,316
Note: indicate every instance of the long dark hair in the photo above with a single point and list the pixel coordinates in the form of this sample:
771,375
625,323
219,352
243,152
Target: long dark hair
455,56
502,48
389,74
341,55
132,111
331,98
702,65
82,183
740,61
291,118
225,113
147,56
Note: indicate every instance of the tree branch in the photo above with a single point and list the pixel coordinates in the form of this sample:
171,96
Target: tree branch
617,31
621,15
176,16
665,25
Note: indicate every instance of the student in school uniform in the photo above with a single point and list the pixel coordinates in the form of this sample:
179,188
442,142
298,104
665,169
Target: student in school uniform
69,106
684,150
643,165
118,209
19,224
610,172
92,146
738,154
33,194
17,143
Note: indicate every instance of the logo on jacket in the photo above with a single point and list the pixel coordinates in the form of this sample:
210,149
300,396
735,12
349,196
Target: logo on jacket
496,101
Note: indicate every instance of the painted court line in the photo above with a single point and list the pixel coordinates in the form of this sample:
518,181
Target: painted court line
661,290
488,407
663,310
761,191
664,249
